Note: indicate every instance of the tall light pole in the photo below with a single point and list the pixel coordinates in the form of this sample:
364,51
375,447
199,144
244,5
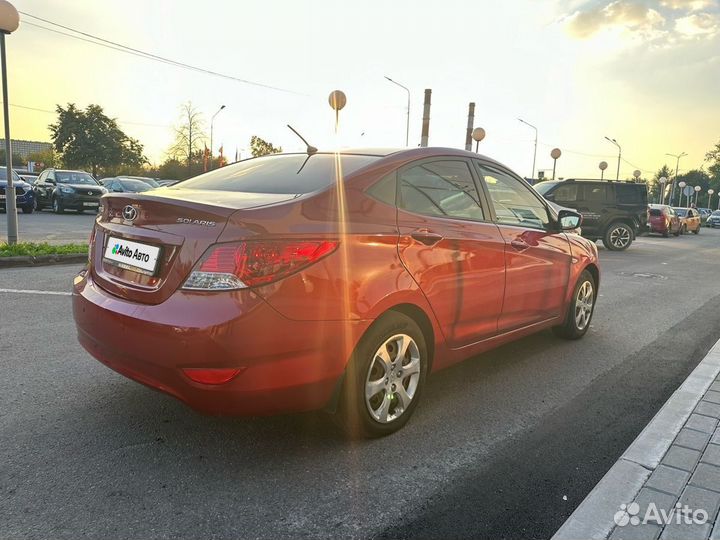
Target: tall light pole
698,189
478,134
661,198
535,153
407,126
211,134
710,194
677,168
9,22
613,141
681,185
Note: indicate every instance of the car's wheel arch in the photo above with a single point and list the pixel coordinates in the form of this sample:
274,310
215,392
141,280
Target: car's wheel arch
420,317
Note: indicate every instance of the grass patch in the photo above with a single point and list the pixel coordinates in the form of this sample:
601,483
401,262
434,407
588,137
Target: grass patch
33,249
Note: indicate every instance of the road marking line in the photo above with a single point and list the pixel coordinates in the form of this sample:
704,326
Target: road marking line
30,291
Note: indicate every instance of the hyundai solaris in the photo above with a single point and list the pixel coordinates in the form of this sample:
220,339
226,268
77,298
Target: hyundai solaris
333,281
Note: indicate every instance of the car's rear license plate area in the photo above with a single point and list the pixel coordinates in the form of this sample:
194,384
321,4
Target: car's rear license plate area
130,255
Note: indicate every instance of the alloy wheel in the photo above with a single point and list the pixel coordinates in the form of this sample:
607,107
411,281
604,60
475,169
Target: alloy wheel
584,301
620,237
392,378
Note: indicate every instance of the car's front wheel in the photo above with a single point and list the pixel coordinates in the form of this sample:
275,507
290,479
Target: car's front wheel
618,237
384,378
57,206
580,311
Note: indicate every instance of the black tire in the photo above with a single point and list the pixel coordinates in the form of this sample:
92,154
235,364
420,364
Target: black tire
57,206
571,329
666,234
353,414
80,210
618,236
28,209
38,206
678,232
697,231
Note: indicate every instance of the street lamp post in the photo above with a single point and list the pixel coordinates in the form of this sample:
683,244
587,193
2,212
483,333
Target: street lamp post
613,141
337,101
698,189
478,135
212,120
602,166
661,197
9,22
407,123
710,194
677,168
535,152
681,185
555,154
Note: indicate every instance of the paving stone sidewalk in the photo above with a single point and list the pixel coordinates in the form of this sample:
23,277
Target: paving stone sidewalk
673,465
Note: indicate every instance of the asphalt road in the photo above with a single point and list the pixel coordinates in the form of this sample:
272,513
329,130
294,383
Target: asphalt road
45,226
505,445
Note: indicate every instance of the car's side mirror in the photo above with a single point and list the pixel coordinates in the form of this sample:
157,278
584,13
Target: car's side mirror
569,220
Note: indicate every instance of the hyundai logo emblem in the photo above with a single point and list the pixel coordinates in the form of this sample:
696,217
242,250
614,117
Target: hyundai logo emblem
129,213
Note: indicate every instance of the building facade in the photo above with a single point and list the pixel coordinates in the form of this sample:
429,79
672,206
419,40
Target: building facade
25,148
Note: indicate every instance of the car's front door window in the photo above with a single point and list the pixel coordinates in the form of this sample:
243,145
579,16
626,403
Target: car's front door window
514,203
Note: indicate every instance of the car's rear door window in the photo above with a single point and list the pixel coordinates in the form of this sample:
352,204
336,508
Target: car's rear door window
629,194
566,193
443,188
595,193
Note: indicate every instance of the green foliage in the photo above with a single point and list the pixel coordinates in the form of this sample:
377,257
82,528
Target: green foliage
33,249
17,160
260,147
713,157
47,157
88,139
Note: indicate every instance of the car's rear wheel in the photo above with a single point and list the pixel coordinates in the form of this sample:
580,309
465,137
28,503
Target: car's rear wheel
38,206
384,378
618,237
28,209
580,311
697,230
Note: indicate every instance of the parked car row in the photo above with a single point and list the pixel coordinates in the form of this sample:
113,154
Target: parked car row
667,220
61,189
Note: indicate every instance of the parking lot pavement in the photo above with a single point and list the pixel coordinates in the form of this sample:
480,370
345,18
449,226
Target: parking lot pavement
505,445
45,226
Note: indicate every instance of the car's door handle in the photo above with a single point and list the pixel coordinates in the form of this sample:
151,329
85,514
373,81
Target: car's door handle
426,237
519,245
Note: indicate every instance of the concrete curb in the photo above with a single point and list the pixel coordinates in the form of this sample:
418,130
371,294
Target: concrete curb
42,260
593,519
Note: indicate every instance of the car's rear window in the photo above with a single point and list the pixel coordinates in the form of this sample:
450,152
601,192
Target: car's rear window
656,212
682,212
280,174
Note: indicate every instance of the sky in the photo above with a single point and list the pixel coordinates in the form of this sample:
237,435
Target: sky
646,73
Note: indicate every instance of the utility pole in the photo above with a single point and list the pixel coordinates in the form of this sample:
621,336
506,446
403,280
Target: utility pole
532,175
470,123
424,137
613,141
677,168
407,123
212,120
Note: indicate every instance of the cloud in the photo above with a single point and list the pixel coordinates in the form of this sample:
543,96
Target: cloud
687,5
698,25
625,15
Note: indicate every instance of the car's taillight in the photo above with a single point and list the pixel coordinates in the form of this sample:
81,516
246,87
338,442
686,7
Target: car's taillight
253,263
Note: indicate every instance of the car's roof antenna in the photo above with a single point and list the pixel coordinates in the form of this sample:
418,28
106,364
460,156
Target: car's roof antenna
310,149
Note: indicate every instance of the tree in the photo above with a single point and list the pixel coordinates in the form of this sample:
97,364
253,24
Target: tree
654,184
46,157
17,160
713,157
89,139
260,147
189,136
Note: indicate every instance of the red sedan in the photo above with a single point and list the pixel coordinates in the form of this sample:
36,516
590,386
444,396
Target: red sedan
338,281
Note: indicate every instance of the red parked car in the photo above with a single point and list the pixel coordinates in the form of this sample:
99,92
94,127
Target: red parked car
662,219
339,281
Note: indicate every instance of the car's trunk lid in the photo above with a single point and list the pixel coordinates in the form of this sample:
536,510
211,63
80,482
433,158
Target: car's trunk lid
180,223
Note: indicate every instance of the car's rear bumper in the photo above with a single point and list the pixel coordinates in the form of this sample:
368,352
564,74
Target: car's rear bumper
286,365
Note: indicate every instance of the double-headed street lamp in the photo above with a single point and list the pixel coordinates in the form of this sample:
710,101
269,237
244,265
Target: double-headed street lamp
677,168
9,22
212,120
613,141
532,175
407,126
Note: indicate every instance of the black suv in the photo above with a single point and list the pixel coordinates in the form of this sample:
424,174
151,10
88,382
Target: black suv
614,212
67,190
